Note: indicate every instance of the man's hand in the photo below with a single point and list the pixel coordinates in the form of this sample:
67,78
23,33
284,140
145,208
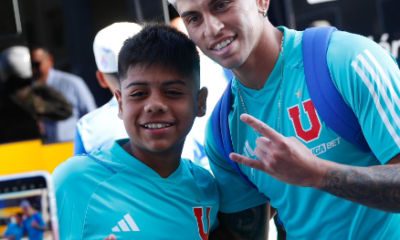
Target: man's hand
284,158
290,161
35,224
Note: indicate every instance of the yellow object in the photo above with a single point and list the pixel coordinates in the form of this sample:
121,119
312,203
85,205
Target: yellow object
33,155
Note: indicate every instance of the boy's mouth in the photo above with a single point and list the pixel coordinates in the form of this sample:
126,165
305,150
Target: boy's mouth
157,125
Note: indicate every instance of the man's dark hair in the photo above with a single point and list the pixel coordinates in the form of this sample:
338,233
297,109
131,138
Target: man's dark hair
160,44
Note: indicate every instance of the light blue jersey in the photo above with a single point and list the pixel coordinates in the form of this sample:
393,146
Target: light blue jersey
14,230
110,191
34,233
369,81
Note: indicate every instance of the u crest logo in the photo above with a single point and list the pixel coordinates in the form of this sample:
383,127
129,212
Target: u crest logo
198,213
309,134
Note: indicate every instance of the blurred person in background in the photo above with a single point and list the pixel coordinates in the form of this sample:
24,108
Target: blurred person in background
23,104
213,77
102,127
33,223
15,229
72,87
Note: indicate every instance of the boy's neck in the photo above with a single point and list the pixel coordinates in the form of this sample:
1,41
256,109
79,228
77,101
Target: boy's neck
164,164
258,67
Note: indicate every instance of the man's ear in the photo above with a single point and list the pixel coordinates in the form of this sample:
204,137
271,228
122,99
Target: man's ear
263,5
51,60
100,78
118,95
202,102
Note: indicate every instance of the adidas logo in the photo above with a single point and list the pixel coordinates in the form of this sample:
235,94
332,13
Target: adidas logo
122,225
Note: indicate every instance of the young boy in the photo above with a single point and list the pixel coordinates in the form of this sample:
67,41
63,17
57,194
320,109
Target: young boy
140,188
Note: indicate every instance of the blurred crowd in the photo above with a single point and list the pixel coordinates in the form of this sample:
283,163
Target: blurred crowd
29,222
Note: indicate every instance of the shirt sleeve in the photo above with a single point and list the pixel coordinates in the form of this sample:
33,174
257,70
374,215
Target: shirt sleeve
39,219
7,231
235,194
368,78
74,183
78,143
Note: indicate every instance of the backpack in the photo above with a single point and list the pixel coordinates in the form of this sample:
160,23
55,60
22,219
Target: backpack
327,100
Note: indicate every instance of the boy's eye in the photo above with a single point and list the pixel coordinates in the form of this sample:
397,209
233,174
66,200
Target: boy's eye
138,94
171,92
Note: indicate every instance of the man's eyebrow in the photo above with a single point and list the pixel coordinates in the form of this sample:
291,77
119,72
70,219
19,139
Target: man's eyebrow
172,82
185,14
136,84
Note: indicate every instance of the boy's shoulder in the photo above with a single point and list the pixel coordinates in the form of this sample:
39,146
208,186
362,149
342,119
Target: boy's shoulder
201,176
98,165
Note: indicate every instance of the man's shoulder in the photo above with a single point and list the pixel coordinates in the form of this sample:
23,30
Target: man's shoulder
69,77
346,46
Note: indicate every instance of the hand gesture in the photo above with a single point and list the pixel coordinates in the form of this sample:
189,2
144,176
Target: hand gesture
283,158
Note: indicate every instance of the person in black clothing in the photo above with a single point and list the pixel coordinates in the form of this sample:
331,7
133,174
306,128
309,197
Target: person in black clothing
24,104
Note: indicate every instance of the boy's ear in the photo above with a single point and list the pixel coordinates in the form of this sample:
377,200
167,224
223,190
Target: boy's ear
202,102
118,95
100,78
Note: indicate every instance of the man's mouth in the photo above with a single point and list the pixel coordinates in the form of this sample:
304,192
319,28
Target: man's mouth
156,125
223,44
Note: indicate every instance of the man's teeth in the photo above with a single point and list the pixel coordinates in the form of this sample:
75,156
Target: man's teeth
157,125
223,44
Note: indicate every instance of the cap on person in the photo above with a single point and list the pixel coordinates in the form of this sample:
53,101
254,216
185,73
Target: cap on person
15,63
24,203
108,42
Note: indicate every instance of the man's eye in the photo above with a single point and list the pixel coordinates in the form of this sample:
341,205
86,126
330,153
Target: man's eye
194,19
222,5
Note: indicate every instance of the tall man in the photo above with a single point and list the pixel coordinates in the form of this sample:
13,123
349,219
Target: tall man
343,193
73,89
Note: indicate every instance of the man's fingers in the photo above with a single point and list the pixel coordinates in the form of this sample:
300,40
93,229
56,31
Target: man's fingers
260,127
247,161
263,144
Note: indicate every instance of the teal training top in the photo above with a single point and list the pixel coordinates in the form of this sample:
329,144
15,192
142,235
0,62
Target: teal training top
369,80
111,192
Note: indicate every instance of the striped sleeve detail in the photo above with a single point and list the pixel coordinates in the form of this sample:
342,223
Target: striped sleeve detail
382,82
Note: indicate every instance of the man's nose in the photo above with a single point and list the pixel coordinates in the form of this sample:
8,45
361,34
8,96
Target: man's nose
213,25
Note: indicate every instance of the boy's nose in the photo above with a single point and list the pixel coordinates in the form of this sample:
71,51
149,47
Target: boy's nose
154,105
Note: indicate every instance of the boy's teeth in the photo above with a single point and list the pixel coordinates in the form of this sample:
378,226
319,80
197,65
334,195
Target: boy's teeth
157,125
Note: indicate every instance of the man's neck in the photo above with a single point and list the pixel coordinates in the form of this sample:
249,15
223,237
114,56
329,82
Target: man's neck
254,72
164,164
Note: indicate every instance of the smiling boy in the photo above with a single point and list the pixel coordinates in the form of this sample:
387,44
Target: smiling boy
140,188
